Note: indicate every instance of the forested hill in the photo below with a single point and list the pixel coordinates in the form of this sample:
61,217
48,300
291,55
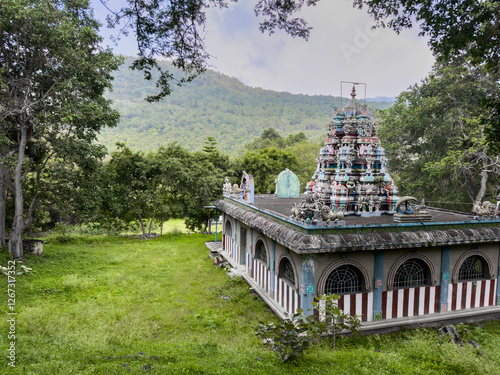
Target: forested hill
211,105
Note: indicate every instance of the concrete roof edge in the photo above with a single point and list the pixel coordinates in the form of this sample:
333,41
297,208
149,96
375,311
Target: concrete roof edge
303,243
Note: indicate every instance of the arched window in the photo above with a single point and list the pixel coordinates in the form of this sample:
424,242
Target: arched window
473,265
229,229
260,251
286,271
473,268
412,273
344,280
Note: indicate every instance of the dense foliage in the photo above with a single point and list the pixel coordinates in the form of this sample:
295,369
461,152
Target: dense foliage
435,138
154,187
270,154
53,74
213,105
133,188
459,30
456,28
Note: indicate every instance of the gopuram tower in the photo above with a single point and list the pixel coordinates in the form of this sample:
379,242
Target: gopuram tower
351,174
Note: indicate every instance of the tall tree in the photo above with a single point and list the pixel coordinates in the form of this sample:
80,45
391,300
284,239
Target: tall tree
306,153
203,183
436,141
53,73
463,29
296,144
3,207
141,188
70,189
265,166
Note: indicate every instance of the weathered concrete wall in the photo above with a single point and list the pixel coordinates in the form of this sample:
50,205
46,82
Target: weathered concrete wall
310,252
302,243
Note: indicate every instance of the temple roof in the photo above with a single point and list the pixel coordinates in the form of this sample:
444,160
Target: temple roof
269,217
353,106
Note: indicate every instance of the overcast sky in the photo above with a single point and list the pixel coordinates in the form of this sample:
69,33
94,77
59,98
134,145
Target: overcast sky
342,47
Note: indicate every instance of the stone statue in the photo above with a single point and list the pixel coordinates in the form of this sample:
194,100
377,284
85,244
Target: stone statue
486,209
295,212
331,150
226,188
364,204
328,214
371,204
309,208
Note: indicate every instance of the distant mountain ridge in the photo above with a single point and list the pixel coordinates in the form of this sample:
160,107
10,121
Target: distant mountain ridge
390,99
213,104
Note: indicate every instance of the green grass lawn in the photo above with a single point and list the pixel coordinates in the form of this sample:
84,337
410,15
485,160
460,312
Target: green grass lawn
102,305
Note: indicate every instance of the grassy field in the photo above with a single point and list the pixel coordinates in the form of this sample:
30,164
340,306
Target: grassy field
117,305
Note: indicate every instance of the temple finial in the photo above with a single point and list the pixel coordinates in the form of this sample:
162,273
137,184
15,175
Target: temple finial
353,92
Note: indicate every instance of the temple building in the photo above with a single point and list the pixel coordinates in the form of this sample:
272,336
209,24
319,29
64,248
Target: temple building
393,260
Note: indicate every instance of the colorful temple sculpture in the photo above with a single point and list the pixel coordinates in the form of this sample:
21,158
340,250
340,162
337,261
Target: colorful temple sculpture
351,173
393,260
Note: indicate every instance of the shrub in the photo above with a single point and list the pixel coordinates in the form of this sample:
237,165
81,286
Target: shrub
291,337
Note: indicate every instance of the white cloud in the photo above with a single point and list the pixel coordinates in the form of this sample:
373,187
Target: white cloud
342,46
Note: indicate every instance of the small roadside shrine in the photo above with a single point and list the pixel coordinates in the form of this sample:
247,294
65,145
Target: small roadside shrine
393,260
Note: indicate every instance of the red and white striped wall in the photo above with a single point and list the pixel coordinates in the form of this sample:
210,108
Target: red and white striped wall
286,296
360,304
261,275
471,294
400,303
229,248
227,245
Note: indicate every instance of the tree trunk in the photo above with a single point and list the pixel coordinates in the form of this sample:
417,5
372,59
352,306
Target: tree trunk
18,224
484,178
142,225
3,204
152,219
